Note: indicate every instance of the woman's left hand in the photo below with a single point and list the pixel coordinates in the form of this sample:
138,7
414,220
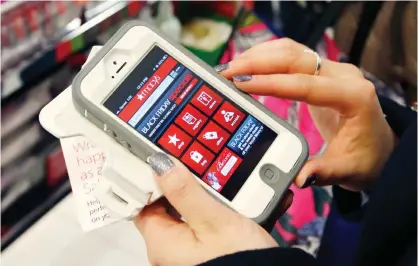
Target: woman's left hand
342,103
212,230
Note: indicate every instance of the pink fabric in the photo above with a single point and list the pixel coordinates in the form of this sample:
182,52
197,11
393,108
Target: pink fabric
301,212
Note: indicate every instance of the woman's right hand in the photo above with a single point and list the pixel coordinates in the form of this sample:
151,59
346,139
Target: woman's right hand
342,103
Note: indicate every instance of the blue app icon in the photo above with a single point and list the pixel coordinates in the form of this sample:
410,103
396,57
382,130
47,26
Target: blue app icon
246,135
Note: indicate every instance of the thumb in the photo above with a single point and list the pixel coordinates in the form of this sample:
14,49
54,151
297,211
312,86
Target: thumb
186,195
319,171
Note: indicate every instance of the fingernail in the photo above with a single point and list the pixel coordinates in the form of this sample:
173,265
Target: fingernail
309,181
242,78
221,67
160,163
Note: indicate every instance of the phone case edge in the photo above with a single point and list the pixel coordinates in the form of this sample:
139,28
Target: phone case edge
144,151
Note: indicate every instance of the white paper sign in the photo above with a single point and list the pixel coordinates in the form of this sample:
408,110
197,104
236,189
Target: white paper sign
85,168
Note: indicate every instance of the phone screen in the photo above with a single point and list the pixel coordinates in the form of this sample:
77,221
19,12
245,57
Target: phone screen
185,116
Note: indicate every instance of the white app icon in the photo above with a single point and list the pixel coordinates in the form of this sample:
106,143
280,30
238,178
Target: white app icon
210,135
227,115
204,98
228,166
196,156
173,139
189,119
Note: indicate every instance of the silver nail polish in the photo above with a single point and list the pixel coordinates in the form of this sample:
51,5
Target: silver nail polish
242,78
221,67
160,163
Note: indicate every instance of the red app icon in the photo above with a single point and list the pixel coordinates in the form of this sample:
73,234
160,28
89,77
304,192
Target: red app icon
228,116
174,140
222,169
191,120
206,100
213,136
197,157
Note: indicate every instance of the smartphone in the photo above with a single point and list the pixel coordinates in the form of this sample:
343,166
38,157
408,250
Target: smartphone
150,94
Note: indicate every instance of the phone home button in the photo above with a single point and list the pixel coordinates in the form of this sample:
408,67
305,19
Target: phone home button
269,173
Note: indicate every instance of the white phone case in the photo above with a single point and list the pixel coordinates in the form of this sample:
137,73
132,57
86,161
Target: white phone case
142,150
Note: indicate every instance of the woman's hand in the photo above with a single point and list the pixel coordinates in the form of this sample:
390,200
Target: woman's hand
342,103
212,230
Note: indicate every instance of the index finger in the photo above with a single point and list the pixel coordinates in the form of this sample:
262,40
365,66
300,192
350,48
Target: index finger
284,56
315,90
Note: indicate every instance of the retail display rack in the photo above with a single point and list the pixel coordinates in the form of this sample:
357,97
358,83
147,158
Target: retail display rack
79,33
41,53
44,44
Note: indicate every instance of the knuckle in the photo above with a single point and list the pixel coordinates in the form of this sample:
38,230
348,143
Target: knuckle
304,82
289,52
368,90
244,63
289,57
231,222
210,226
249,64
229,226
227,222
286,43
363,92
352,69
292,55
177,189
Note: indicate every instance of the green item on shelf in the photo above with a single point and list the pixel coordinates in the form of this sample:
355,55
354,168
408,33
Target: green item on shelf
205,34
77,43
212,57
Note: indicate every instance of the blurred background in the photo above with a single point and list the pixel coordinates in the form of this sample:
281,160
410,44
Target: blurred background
45,43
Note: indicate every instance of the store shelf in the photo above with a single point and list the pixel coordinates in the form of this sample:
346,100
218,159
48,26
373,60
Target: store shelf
103,17
35,191
32,216
9,5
